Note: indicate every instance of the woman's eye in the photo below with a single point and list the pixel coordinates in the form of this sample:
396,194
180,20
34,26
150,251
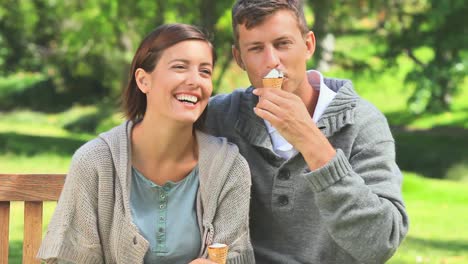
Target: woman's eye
206,71
178,66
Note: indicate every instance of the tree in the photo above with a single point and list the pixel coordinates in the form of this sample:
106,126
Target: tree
436,26
338,17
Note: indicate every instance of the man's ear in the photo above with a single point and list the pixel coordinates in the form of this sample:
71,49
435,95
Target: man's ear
310,43
237,56
142,79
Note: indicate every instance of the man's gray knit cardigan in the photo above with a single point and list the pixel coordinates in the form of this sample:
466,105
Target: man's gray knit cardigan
92,221
349,211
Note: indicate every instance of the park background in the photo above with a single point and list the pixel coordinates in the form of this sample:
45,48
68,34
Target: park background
64,63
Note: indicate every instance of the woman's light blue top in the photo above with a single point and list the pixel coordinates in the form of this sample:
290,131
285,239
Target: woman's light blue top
166,216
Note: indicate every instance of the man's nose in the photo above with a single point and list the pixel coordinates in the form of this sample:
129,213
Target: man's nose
272,59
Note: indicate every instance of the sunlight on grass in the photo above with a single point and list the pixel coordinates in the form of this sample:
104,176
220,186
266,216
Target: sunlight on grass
43,163
438,221
38,124
442,119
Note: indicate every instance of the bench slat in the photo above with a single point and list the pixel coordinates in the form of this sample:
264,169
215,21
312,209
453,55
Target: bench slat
31,187
4,234
32,231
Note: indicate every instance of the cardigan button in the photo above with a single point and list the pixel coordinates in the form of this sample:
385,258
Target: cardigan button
135,240
284,175
283,200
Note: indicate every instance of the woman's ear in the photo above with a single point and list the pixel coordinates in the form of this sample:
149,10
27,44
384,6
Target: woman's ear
142,79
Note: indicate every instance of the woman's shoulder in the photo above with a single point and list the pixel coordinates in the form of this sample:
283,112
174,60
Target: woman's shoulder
91,149
99,150
90,155
222,156
215,143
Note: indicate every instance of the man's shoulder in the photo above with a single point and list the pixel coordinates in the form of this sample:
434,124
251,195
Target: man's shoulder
348,98
229,99
224,109
229,103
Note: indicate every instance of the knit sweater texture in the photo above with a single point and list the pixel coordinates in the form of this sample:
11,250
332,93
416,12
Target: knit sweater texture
349,211
92,221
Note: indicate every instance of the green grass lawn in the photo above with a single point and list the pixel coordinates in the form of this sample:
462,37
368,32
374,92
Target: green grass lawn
438,221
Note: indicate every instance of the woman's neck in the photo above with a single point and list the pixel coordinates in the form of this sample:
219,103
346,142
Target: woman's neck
157,142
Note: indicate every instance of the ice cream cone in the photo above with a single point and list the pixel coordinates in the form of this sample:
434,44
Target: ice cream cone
218,253
272,82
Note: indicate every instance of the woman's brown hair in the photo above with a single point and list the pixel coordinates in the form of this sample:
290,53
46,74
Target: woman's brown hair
147,56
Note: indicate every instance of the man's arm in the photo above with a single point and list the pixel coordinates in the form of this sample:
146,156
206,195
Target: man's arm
287,113
358,196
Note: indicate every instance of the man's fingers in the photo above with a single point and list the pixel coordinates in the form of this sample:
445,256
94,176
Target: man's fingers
269,106
276,96
266,116
279,92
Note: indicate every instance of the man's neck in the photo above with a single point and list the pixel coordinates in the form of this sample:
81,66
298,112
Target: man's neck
309,95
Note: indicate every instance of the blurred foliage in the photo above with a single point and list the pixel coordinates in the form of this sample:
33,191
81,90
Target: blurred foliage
82,49
431,33
85,47
418,29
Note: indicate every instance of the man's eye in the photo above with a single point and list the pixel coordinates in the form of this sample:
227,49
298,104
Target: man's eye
179,66
284,43
255,49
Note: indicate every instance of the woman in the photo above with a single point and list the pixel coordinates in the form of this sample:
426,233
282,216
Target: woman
155,189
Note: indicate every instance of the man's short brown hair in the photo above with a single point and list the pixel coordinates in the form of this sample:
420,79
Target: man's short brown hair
254,12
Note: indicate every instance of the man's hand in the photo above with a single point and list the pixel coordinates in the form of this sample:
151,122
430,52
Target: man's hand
288,114
202,261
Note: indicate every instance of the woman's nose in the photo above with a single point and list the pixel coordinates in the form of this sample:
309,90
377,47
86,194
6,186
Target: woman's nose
193,78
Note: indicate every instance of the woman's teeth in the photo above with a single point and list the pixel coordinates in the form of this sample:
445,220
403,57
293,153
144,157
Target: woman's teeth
187,98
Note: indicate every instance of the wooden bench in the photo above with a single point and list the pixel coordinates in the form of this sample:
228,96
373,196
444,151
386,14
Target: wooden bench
33,189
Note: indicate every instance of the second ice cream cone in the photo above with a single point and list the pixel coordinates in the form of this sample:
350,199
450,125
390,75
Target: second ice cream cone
218,253
272,82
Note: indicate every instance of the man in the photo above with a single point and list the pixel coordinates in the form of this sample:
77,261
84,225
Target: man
326,188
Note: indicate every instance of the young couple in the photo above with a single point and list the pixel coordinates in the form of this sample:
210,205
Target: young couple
166,184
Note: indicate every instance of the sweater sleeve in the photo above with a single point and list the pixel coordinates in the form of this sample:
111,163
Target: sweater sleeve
72,234
360,197
232,216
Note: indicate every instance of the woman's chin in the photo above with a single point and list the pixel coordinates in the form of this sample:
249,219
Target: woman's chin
187,119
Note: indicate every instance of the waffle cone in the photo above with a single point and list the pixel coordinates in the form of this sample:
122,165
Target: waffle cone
218,253
272,82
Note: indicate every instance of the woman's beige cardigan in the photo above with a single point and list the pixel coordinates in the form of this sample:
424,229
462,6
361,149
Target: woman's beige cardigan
93,224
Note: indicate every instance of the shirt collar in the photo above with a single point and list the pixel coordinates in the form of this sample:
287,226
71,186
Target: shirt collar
326,94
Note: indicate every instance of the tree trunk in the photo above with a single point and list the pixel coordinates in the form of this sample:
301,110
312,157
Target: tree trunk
161,6
441,97
208,15
325,39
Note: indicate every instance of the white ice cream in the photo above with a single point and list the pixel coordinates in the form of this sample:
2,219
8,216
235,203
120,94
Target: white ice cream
217,245
274,73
